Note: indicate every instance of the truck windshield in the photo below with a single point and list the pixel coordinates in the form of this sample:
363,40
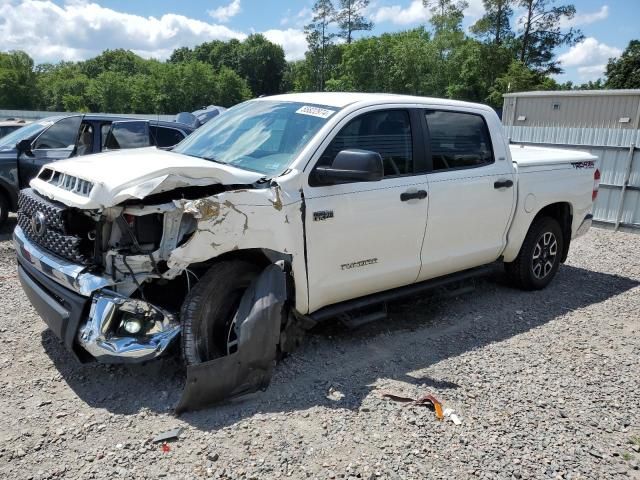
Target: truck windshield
260,135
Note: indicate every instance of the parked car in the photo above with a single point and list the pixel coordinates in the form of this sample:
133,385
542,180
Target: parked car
24,151
282,213
11,125
200,117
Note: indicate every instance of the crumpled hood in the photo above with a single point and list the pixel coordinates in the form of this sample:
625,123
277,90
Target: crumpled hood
134,174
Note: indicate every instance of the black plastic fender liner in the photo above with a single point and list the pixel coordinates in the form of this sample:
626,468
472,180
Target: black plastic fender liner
249,369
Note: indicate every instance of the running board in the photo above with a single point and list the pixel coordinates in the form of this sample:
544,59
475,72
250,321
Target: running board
342,308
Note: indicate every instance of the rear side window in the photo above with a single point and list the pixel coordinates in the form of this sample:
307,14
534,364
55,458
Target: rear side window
387,132
127,135
458,140
166,137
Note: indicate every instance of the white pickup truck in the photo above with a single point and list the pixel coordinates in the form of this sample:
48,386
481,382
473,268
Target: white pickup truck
280,213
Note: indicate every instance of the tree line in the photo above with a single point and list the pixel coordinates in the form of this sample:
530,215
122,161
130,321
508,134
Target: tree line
499,54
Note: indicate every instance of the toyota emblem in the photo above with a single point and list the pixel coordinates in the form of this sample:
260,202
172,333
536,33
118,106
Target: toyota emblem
39,223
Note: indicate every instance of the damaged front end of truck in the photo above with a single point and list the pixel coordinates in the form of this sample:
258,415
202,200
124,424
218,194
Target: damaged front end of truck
109,273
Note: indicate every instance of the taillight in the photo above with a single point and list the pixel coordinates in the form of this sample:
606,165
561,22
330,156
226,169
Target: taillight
596,184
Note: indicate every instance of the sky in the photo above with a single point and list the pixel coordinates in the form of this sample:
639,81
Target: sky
54,30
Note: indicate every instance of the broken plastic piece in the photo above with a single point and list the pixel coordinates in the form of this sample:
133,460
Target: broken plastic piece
172,434
428,400
250,368
165,448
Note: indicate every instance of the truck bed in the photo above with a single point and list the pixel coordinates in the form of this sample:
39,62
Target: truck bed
526,155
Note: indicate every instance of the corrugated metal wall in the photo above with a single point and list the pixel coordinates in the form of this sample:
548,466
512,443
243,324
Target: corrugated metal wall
618,203
564,109
38,114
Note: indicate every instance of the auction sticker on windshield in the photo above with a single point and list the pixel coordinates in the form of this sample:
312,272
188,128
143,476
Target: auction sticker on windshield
315,111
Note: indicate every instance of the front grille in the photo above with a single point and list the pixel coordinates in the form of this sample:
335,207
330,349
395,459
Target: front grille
66,182
55,236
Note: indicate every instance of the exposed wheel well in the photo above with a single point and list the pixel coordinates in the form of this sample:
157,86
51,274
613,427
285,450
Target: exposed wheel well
258,256
563,213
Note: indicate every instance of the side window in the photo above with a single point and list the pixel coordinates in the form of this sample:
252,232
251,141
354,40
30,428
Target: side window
85,140
127,135
458,140
62,134
166,137
104,134
387,132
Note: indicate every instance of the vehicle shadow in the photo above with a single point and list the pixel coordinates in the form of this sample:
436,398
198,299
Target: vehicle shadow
419,332
7,229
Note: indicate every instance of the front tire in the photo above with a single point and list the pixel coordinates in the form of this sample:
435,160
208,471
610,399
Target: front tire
208,312
539,257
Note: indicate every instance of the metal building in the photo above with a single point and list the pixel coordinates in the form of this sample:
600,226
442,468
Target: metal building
573,108
603,122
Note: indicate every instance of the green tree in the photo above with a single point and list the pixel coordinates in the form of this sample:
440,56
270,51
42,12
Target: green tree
518,78
446,15
63,87
624,72
18,81
121,61
262,64
542,34
350,18
495,25
231,88
109,92
320,39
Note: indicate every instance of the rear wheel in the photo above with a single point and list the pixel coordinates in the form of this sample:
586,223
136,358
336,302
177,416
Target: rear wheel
208,314
539,258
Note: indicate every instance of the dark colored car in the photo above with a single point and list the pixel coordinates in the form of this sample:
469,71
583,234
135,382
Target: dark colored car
24,151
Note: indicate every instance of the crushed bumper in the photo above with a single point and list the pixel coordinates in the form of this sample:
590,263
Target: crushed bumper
83,312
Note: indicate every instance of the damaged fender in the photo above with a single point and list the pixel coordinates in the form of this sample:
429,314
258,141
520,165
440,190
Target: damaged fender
249,369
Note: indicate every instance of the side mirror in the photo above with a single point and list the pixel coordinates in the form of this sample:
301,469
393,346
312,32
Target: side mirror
350,166
24,146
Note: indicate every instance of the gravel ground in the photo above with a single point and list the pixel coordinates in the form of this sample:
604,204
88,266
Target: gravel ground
547,385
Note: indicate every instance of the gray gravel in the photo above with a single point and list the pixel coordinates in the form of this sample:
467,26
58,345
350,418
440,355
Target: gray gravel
547,385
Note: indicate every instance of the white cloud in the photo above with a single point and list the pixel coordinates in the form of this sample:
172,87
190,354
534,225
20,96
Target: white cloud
298,20
80,29
589,57
474,10
293,41
227,12
414,13
585,18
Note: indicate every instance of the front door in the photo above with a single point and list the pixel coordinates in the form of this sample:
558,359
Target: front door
471,194
58,142
366,237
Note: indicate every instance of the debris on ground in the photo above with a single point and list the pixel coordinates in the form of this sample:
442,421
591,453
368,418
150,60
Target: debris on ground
427,400
451,415
172,434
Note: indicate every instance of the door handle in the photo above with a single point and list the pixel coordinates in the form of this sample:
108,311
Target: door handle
420,195
503,184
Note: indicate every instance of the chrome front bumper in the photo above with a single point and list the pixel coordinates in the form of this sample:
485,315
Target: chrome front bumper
57,287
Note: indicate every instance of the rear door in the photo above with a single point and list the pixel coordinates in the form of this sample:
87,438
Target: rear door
471,192
58,142
365,237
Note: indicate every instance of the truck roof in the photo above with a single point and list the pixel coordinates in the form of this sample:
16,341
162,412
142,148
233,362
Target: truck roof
343,99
